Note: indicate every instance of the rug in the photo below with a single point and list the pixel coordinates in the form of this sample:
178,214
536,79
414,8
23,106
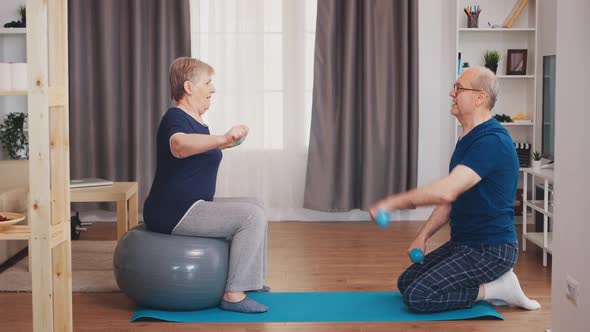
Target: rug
92,269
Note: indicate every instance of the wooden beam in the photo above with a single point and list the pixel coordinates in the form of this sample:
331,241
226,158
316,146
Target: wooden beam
60,165
17,232
13,92
58,43
60,233
59,145
58,96
49,165
62,285
39,170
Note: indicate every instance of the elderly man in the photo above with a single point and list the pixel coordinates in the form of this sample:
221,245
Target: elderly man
478,198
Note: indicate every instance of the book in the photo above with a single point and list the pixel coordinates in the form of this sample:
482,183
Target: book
83,183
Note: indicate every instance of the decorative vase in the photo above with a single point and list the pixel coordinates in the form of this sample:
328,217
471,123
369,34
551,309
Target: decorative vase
472,21
492,66
19,122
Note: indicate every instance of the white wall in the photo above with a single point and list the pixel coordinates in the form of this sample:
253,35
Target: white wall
436,60
547,30
547,27
572,157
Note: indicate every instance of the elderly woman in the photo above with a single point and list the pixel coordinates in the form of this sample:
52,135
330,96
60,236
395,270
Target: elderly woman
181,199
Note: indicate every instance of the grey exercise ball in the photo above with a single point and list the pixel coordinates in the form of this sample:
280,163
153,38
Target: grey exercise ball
171,272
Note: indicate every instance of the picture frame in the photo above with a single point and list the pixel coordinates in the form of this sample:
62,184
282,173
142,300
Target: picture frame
516,62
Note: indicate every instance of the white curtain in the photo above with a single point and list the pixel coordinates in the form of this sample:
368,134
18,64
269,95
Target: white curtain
263,55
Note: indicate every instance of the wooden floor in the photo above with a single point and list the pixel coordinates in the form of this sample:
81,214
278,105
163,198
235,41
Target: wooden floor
309,257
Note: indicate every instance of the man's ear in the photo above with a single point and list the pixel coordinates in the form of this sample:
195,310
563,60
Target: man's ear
480,98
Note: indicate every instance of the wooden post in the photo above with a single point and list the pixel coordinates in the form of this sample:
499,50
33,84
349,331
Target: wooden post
47,58
60,165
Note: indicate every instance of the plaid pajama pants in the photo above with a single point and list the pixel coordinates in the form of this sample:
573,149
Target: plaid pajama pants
450,276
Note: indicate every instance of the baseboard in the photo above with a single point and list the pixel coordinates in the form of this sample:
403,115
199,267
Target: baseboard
301,214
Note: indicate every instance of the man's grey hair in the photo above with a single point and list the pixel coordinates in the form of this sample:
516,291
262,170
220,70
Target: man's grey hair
486,80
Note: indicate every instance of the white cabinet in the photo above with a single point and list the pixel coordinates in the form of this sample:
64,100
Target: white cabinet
543,205
517,92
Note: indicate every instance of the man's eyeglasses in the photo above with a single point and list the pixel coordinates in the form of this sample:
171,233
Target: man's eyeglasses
457,88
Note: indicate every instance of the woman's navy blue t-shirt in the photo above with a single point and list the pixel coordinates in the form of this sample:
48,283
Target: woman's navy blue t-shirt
179,182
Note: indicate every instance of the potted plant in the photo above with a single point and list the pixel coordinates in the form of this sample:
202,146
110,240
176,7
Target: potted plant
13,136
22,11
491,59
536,162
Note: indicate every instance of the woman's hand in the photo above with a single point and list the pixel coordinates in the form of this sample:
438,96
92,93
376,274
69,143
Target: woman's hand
236,133
246,131
235,136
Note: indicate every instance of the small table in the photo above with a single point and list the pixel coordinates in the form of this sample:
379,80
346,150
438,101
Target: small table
123,193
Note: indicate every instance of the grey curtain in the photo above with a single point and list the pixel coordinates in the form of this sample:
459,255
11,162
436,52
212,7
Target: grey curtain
119,55
364,130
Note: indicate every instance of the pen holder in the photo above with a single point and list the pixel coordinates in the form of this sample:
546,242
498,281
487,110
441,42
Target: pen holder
472,21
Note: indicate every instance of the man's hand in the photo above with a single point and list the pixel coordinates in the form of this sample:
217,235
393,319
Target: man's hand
373,209
419,243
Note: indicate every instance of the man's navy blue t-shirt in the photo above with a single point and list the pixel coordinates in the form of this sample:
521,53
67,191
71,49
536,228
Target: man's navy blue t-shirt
485,213
179,182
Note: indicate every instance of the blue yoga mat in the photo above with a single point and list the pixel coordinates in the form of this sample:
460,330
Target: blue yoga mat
321,307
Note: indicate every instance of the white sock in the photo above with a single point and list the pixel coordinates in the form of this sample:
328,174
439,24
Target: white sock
498,303
507,288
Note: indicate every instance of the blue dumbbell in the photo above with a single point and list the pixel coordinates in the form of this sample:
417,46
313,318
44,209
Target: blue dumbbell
383,218
416,255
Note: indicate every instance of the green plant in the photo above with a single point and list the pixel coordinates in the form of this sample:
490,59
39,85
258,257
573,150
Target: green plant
22,11
536,155
491,57
12,135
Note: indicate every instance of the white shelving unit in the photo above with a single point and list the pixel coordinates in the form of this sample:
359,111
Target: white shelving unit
12,49
13,31
542,239
517,92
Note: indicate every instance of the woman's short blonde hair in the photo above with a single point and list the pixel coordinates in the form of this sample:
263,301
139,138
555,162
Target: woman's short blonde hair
186,69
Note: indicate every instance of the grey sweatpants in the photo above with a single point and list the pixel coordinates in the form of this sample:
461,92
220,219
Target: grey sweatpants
243,221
